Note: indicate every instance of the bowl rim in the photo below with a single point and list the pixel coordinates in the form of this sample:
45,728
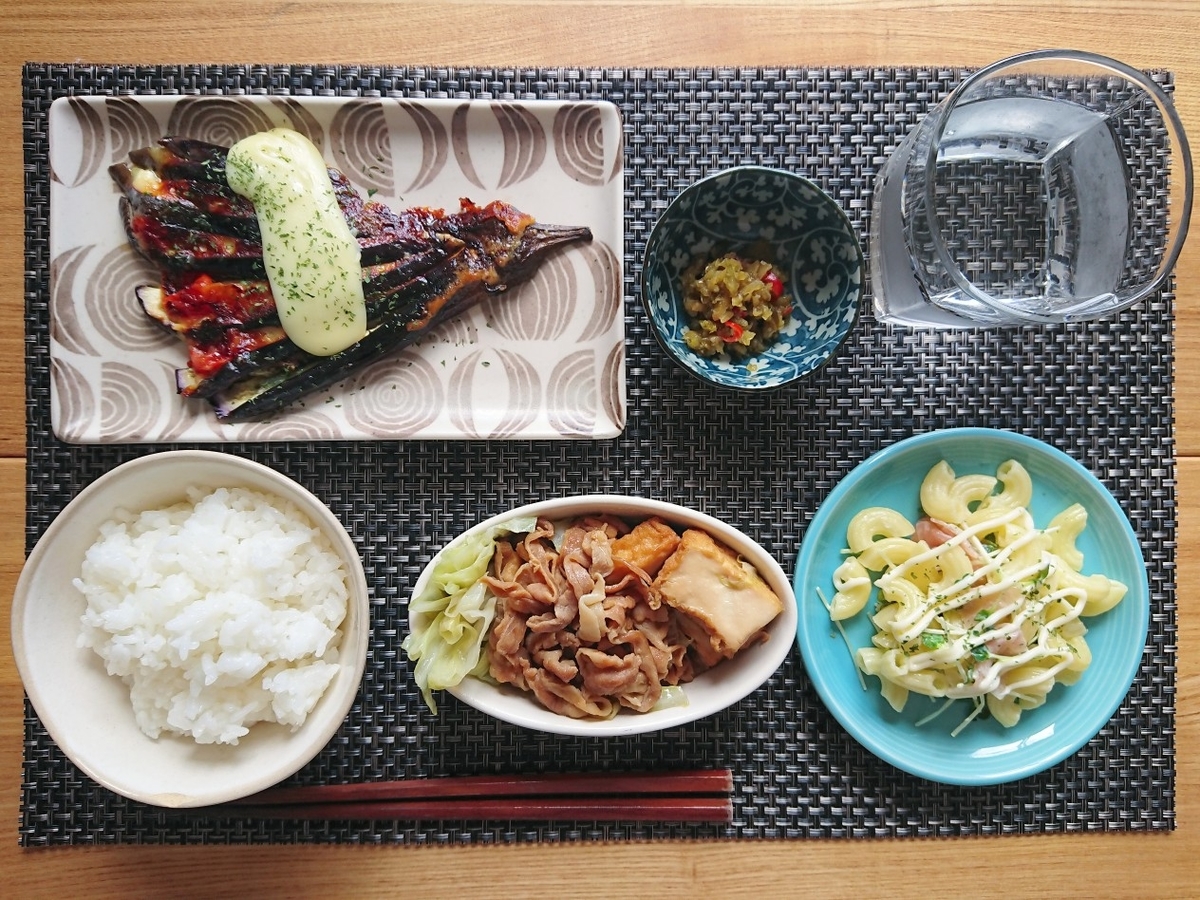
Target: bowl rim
530,715
892,750
698,185
309,744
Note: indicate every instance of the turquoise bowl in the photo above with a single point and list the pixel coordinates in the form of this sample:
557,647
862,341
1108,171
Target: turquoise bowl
985,752
812,242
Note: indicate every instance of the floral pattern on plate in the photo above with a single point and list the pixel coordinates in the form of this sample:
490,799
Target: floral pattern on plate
545,360
809,238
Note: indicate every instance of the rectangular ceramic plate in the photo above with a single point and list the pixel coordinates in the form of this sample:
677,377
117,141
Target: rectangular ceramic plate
543,360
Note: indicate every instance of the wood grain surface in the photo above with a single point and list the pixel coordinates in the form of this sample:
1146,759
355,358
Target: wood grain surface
567,32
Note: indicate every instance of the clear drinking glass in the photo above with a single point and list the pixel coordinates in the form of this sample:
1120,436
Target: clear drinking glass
1049,187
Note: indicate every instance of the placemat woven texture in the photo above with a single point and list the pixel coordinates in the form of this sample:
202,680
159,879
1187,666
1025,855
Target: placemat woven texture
1102,392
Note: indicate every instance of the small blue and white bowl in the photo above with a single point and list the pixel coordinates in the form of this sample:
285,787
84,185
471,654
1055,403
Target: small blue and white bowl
812,241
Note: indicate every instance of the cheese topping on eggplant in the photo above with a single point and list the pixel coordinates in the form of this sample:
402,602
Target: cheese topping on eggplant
311,256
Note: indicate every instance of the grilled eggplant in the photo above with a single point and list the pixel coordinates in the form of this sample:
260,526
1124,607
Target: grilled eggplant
420,267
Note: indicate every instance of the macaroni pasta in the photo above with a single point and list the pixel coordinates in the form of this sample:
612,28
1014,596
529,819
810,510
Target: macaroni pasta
974,601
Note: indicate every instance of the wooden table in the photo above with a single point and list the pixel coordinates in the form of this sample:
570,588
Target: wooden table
1145,33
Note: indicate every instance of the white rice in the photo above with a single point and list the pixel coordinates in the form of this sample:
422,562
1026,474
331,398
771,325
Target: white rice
218,612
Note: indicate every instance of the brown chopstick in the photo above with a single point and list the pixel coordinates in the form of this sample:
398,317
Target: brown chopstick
686,796
698,781
516,809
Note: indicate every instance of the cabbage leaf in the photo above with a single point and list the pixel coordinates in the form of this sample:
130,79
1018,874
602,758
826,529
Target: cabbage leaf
449,619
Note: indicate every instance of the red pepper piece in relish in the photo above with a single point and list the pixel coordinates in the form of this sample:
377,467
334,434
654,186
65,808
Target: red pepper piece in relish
773,283
731,332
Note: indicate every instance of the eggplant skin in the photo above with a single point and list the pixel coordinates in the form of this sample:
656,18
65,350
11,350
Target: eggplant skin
421,267
438,300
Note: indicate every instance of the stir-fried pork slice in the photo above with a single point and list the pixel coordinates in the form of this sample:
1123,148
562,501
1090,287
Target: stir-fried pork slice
566,699
584,627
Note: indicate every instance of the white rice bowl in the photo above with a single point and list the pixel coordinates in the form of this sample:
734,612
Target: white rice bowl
218,612
89,713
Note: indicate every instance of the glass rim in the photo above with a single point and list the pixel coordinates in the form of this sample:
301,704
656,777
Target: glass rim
1177,234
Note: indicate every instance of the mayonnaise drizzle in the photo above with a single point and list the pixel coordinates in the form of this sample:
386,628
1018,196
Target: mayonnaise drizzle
1006,620
998,635
311,256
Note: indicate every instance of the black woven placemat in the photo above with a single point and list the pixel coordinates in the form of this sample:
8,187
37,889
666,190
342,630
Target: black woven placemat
1102,392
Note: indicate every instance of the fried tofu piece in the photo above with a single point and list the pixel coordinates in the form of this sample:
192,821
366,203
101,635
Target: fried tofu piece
647,546
725,602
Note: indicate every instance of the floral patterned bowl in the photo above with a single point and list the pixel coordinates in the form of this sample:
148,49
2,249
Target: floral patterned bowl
811,240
